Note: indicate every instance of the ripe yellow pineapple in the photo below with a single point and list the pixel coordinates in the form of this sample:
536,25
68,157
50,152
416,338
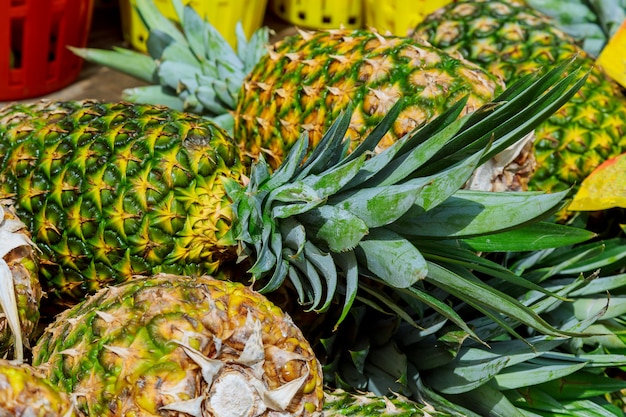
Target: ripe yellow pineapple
192,346
176,345
20,290
306,80
25,392
510,39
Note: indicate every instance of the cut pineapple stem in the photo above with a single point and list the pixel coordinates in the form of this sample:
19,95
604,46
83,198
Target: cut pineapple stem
10,240
243,376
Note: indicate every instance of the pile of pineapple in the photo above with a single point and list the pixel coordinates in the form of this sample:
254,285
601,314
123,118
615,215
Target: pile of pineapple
323,236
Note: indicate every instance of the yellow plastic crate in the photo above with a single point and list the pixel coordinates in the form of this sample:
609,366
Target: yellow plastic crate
222,14
324,14
399,16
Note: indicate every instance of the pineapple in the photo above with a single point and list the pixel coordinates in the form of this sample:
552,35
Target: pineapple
21,292
25,392
510,39
305,81
180,344
111,191
267,95
194,346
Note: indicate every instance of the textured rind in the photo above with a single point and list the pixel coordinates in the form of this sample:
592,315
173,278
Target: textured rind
510,39
113,190
120,351
306,80
24,391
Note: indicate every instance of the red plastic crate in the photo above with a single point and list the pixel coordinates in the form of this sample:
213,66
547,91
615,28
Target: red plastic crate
34,35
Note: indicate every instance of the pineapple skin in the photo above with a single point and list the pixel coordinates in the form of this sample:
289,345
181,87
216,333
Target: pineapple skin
305,81
510,40
24,391
124,350
23,263
114,190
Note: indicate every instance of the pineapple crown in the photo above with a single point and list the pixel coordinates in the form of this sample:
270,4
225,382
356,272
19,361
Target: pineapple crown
331,220
194,69
438,364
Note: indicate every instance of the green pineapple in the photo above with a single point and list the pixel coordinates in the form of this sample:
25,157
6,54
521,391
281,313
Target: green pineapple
510,39
109,191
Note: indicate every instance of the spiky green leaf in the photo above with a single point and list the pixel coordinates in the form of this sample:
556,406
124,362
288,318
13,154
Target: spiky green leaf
329,150
340,229
208,98
332,180
325,264
154,94
171,73
381,206
347,262
393,258
194,28
536,236
178,52
129,62
224,94
487,401
406,164
157,42
442,186
580,385
473,213
535,372
155,20
542,404
392,360
439,306
479,293
465,377
251,52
